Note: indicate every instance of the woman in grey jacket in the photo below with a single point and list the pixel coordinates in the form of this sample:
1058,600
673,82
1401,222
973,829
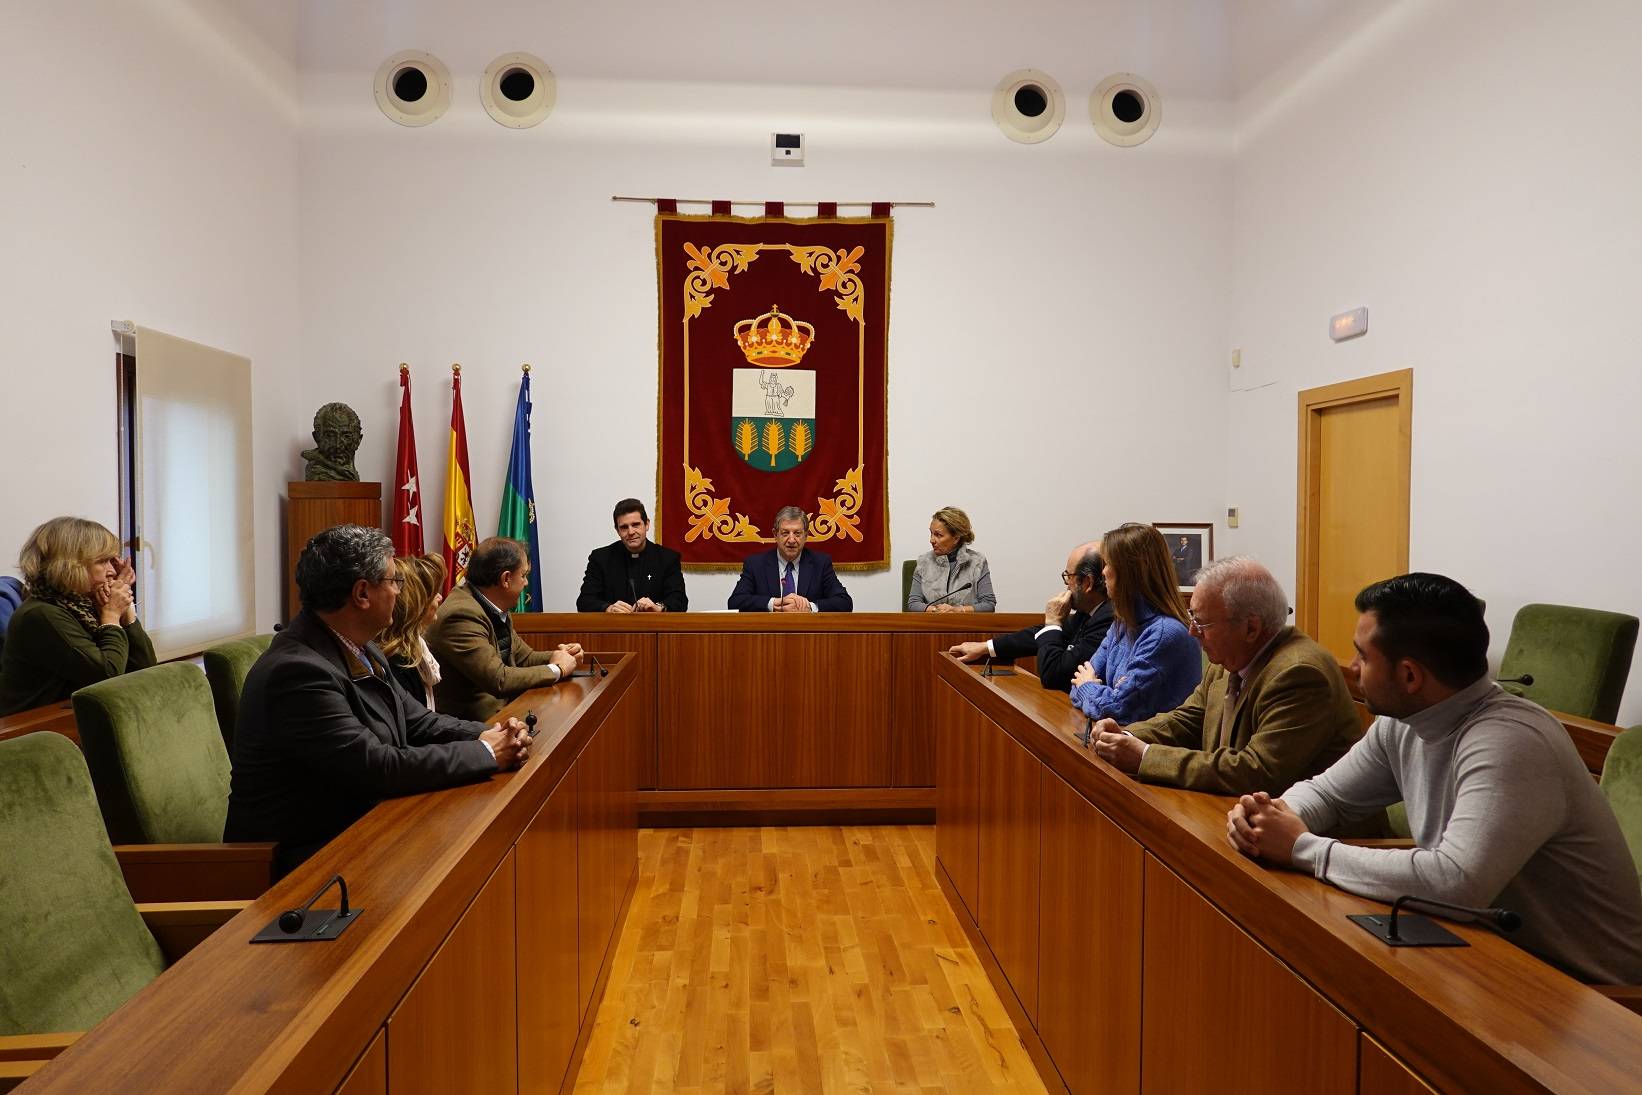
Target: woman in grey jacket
938,581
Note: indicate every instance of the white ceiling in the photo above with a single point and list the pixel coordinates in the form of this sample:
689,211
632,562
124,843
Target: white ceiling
1194,49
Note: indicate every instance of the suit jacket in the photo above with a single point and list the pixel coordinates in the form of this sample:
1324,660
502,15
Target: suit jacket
761,580
1293,719
1061,651
660,577
319,742
474,682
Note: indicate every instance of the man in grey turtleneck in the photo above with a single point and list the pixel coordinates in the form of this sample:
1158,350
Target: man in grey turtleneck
1502,809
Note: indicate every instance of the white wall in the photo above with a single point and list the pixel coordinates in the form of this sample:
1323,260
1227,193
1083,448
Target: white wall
1468,170
152,178
1056,304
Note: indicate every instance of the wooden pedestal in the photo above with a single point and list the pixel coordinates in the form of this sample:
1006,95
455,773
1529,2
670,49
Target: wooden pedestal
314,507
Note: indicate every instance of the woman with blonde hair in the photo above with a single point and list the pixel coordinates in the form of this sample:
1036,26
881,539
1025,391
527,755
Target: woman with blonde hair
1148,661
413,665
938,581
78,623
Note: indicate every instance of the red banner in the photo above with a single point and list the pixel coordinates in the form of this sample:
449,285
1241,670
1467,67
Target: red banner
407,488
774,370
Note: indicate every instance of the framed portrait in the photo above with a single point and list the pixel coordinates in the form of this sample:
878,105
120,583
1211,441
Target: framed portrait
1191,546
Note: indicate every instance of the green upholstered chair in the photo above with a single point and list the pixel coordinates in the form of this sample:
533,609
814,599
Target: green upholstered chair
76,946
226,665
1622,783
907,569
1579,658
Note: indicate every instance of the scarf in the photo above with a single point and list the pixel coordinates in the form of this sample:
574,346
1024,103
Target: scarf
78,605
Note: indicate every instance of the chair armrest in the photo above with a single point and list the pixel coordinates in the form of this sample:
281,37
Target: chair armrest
22,1055
195,872
180,926
1379,842
1627,996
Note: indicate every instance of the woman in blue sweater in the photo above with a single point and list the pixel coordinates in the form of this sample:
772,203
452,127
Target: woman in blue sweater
1148,661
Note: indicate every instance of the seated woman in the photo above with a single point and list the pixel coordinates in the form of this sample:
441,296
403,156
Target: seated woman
950,563
78,623
422,577
1148,661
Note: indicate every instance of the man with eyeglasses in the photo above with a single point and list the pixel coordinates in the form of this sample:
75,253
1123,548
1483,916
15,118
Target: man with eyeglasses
324,732
1272,708
1074,623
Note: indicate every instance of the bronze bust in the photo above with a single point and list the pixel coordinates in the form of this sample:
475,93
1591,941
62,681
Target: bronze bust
336,439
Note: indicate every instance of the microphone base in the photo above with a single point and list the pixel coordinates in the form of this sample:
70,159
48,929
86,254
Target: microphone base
998,671
1413,930
319,926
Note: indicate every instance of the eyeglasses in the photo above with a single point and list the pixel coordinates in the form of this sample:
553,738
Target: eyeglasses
1068,576
396,581
1200,625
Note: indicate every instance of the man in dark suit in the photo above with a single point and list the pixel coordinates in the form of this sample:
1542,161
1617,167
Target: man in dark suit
633,574
1074,623
324,732
791,578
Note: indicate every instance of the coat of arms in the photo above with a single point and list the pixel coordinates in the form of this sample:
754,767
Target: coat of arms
772,407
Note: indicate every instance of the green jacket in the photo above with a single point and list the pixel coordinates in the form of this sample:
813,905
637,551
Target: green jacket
474,682
49,653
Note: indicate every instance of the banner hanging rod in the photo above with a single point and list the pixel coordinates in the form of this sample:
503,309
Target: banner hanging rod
841,205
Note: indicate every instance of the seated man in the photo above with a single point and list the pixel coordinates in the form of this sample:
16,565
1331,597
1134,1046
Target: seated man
791,578
324,732
1502,809
1074,623
1271,709
483,663
633,574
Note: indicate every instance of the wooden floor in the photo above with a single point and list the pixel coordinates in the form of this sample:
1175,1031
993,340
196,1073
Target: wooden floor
798,960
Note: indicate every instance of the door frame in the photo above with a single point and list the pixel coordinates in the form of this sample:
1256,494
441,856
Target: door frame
1313,402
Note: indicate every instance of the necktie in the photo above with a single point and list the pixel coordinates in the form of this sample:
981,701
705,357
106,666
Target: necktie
787,582
1234,688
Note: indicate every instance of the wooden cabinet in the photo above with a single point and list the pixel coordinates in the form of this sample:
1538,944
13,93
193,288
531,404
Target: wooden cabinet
314,507
600,642
1381,1073
606,836
1008,839
455,1030
1089,944
1218,1006
548,956
958,731
370,1073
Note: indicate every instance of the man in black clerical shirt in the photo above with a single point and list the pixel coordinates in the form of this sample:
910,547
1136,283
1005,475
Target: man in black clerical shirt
633,574
1074,623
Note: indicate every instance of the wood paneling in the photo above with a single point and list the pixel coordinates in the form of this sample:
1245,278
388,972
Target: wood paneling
912,713
958,732
1089,940
314,507
1379,1073
456,1029
1008,838
1218,1005
789,806
641,643
606,835
806,710
56,717
370,1074
546,942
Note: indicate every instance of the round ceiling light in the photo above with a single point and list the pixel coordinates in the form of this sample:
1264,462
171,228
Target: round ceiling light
1028,106
413,88
518,90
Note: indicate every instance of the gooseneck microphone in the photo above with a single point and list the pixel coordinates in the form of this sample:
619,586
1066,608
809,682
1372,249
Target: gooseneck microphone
530,723
1526,680
1413,930
949,593
306,924
290,921
1503,920
598,665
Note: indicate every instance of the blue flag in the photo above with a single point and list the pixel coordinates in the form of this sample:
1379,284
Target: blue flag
518,519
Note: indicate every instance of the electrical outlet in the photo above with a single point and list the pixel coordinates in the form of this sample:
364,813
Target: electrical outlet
1231,517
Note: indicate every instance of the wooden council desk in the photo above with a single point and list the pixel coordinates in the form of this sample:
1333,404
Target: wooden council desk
766,718
1137,951
490,915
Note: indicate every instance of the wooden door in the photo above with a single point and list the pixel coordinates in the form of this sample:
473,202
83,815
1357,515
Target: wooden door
1353,492
1008,847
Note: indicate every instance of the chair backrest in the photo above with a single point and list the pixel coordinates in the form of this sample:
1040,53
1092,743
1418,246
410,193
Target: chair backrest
225,667
75,948
1579,658
11,595
156,756
1622,783
907,568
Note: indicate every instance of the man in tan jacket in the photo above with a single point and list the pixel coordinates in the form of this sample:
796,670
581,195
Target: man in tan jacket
1272,708
483,661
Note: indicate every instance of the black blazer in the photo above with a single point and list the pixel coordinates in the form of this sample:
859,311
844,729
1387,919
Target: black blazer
317,747
1059,652
660,577
761,579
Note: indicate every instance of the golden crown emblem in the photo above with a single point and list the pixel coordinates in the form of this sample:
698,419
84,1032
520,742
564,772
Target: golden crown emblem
774,340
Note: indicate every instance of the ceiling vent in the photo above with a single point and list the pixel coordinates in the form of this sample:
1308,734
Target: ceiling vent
518,90
413,88
1125,109
1028,106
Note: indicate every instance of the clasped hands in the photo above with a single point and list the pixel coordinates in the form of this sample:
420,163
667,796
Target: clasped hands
643,604
949,608
792,602
510,741
1262,827
113,598
1113,744
566,656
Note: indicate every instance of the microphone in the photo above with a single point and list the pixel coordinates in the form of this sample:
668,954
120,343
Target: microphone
1414,930
603,672
1503,920
530,723
305,924
632,590
949,593
1526,680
